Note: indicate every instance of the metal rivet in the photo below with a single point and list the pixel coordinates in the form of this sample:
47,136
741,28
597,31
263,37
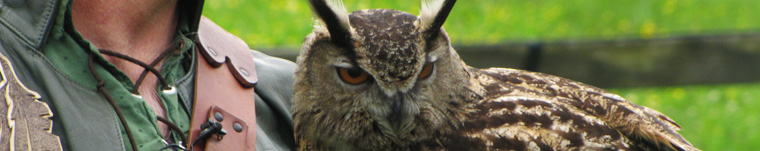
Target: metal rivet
244,72
171,90
237,127
137,96
218,116
212,51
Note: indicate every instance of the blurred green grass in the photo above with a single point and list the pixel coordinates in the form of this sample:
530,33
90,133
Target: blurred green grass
284,23
714,117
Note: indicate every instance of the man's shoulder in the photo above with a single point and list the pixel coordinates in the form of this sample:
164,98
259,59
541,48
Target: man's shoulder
273,83
276,77
276,65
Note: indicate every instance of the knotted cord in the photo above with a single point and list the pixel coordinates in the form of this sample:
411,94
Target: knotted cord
148,68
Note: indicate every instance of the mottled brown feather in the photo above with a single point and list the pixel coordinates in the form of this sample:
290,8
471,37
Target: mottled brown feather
548,102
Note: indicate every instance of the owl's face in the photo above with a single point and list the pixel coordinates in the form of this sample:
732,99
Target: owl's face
388,66
389,72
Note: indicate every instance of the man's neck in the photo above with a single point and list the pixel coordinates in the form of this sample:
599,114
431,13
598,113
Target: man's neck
139,28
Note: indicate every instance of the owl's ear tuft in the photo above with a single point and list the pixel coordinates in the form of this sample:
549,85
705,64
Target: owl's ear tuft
432,16
335,17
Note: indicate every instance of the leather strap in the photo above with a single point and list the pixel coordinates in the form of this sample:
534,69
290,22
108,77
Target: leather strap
224,84
221,47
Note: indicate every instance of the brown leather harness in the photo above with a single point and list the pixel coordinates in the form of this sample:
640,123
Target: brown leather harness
224,93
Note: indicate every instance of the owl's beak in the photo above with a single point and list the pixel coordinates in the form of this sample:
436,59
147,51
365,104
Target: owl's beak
398,104
398,101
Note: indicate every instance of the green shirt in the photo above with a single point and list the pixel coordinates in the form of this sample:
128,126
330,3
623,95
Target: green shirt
69,51
50,58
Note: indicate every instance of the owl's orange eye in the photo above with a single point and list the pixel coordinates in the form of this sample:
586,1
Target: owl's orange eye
352,76
427,70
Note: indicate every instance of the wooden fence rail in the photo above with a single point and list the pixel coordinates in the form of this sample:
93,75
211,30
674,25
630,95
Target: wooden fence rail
682,60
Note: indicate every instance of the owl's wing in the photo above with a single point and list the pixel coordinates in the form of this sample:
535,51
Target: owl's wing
544,107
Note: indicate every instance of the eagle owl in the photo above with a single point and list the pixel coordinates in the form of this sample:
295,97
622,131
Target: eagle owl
383,79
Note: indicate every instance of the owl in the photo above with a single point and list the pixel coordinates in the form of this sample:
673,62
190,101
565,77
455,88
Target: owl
383,79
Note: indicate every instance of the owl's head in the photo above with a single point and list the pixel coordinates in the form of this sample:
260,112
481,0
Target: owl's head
386,63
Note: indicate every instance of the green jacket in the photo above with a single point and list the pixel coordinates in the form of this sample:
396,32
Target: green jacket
46,52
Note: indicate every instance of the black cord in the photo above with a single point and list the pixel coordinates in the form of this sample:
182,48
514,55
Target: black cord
138,62
207,129
176,45
173,127
102,89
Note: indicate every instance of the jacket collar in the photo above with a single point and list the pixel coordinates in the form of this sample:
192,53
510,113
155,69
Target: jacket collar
193,9
30,20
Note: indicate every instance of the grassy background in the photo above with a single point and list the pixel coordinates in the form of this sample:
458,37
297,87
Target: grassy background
714,117
284,23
